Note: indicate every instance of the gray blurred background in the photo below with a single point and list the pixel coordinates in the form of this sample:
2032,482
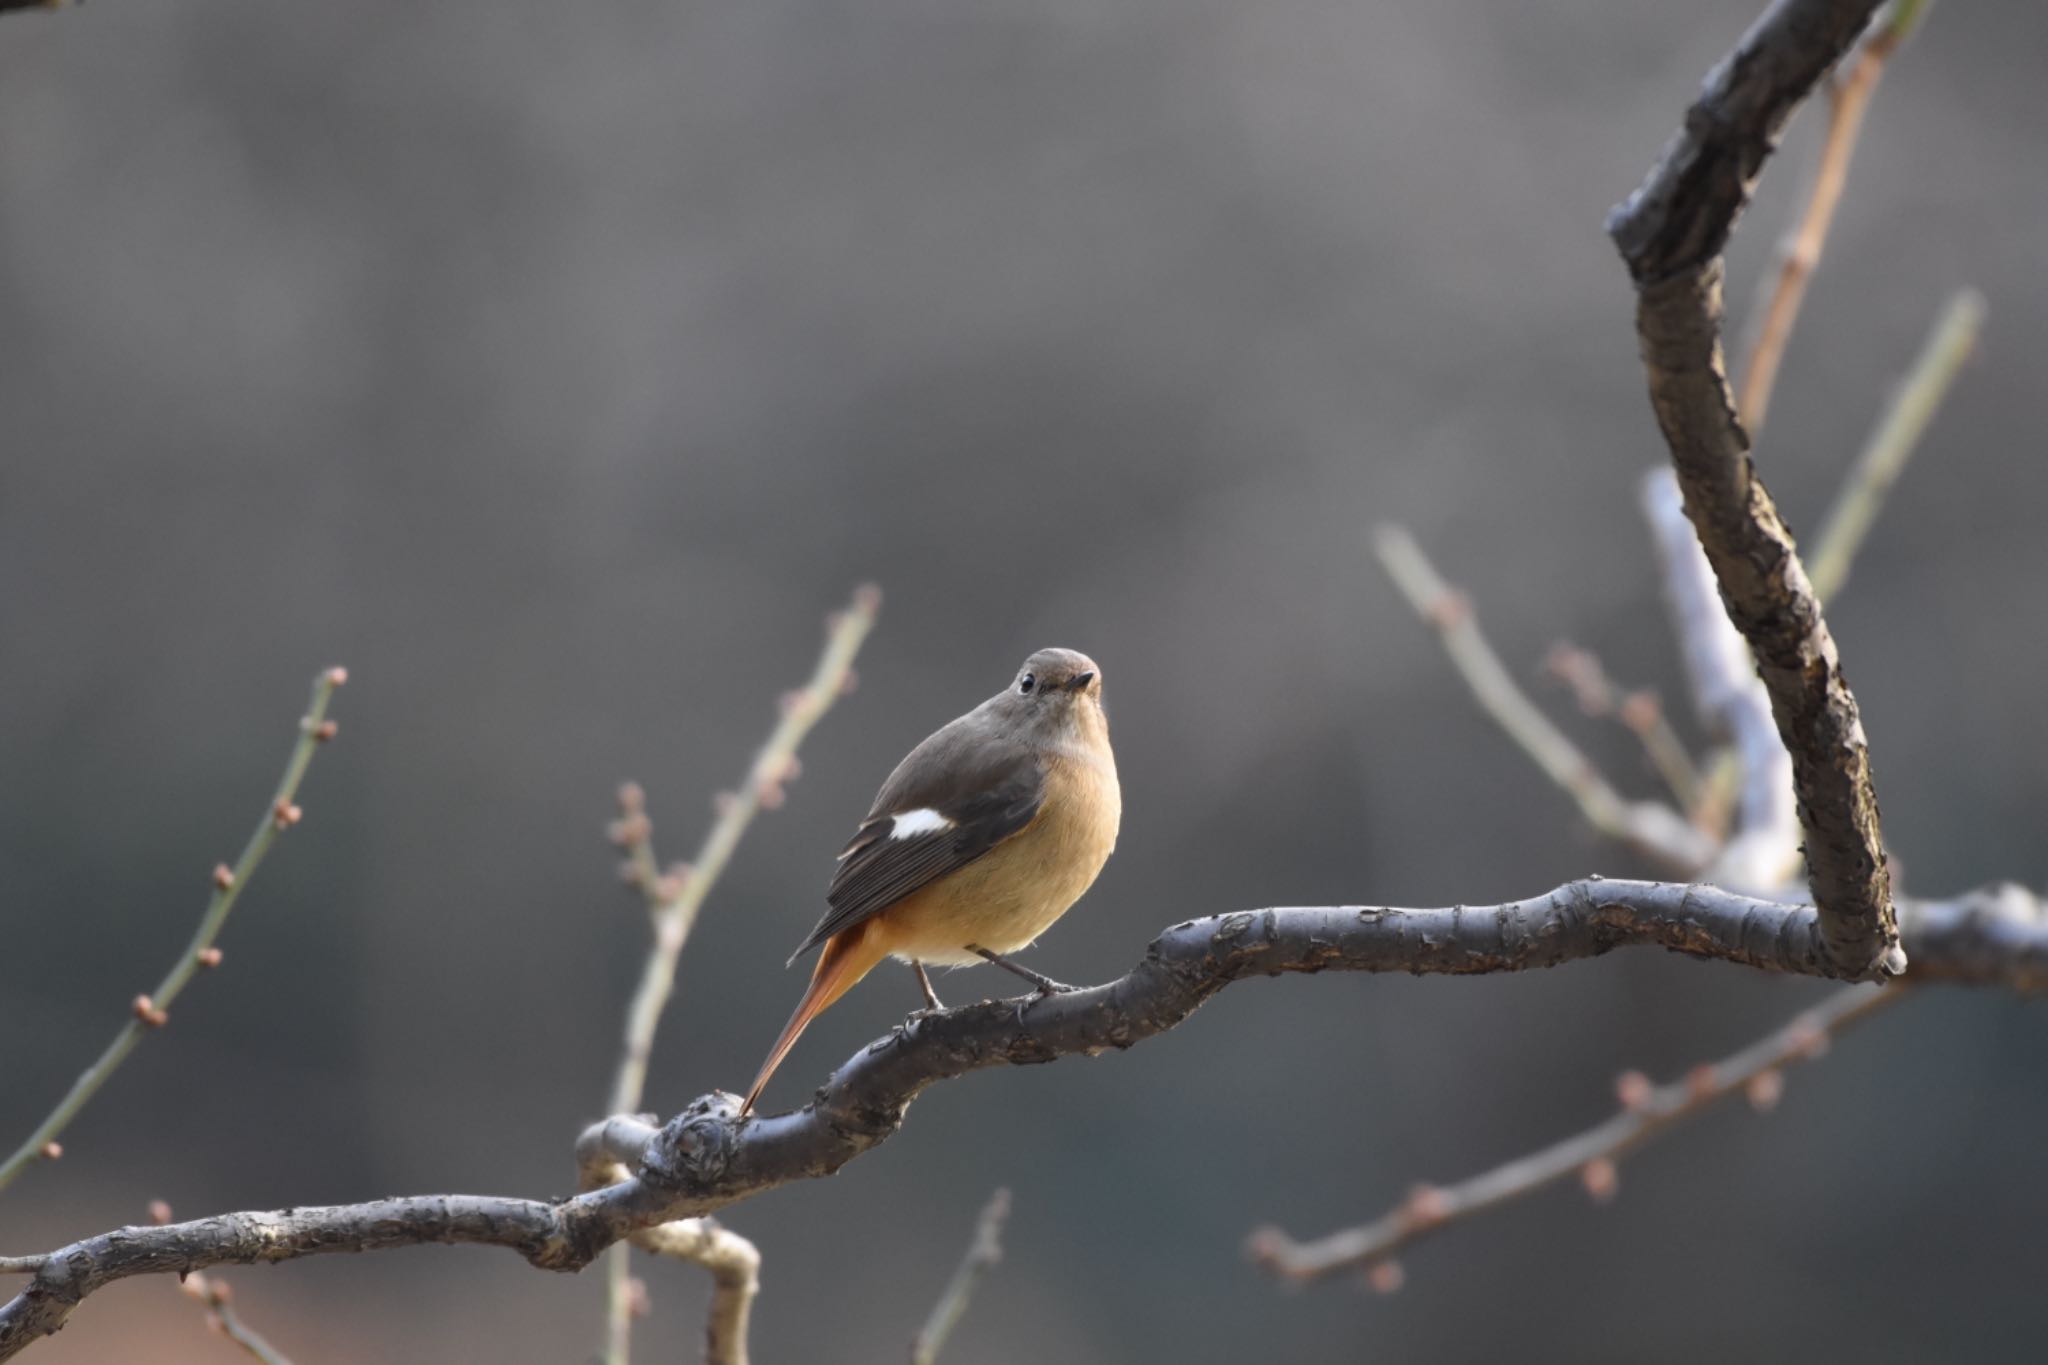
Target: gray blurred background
556,367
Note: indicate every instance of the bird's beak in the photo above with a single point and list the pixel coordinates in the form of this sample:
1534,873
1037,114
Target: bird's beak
1079,681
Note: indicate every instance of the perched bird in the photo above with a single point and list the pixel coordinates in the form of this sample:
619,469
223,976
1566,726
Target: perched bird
978,841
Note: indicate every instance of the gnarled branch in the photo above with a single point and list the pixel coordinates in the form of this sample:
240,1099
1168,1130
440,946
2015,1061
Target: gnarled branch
1671,232
708,1157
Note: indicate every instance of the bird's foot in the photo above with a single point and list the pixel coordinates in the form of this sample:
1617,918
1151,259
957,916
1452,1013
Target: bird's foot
1045,984
932,1004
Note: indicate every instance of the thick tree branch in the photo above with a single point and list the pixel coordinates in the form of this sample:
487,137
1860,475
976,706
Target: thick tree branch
604,1153
1670,233
708,1158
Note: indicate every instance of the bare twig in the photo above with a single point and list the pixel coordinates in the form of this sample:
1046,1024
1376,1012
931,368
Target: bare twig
1913,405
221,1316
674,904
674,900
1647,1111
708,1158
1670,233
152,1011
983,1254
1848,101
1651,828
1640,712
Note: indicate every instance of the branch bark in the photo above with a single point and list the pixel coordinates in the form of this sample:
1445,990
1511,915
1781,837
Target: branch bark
708,1158
1670,233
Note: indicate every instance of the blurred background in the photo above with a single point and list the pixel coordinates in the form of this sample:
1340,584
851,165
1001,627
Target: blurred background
556,368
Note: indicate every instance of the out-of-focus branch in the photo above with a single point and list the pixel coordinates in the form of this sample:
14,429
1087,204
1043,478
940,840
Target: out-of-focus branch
1763,847
1646,1112
1649,827
1640,712
983,1254
735,1266
1913,405
673,902
152,1011
604,1154
708,1157
221,1316
1670,233
1799,255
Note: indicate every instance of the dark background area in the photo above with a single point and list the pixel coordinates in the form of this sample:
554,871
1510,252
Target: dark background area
556,367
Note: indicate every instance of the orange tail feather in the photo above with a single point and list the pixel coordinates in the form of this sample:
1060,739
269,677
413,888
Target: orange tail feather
848,956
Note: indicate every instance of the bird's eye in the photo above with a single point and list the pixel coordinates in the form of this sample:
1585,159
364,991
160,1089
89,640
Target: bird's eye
1025,684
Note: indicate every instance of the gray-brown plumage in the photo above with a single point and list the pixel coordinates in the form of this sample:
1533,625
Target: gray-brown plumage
983,837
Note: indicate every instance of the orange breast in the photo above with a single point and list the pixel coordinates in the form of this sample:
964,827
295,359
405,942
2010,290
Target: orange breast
1006,898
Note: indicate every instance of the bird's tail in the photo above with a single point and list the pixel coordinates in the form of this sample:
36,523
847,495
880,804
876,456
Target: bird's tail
849,955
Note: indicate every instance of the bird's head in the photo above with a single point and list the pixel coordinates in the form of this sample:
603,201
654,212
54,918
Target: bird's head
1052,687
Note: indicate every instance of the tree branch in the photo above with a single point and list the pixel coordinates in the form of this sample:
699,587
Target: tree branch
604,1153
983,1254
1646,1113
1763,847
222,1318
1848,101
1650,827
151,1012
1951,342
1670,233
674,900
708,1158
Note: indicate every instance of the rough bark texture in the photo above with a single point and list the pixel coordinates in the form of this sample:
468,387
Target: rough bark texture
707,1158
1671,232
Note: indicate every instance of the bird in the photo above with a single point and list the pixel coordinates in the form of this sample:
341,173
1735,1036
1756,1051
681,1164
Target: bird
983,836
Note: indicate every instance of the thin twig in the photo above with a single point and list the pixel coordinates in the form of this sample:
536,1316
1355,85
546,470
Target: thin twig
674,899
1650,827
1640,712
708,1157
1670,233
1913,404
1647,1112
674,906
983,1254
1848,101
221,1316
151,1012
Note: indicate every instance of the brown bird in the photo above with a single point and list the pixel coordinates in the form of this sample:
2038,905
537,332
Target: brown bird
978,841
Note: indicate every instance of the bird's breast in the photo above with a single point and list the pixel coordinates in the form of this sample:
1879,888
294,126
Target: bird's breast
1010,895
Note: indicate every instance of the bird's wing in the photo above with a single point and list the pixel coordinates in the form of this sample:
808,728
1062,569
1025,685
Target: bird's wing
953,799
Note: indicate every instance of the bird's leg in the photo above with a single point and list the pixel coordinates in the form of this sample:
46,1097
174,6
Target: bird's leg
924,983
1046,985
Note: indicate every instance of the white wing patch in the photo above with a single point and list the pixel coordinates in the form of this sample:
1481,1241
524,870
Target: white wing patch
911,823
